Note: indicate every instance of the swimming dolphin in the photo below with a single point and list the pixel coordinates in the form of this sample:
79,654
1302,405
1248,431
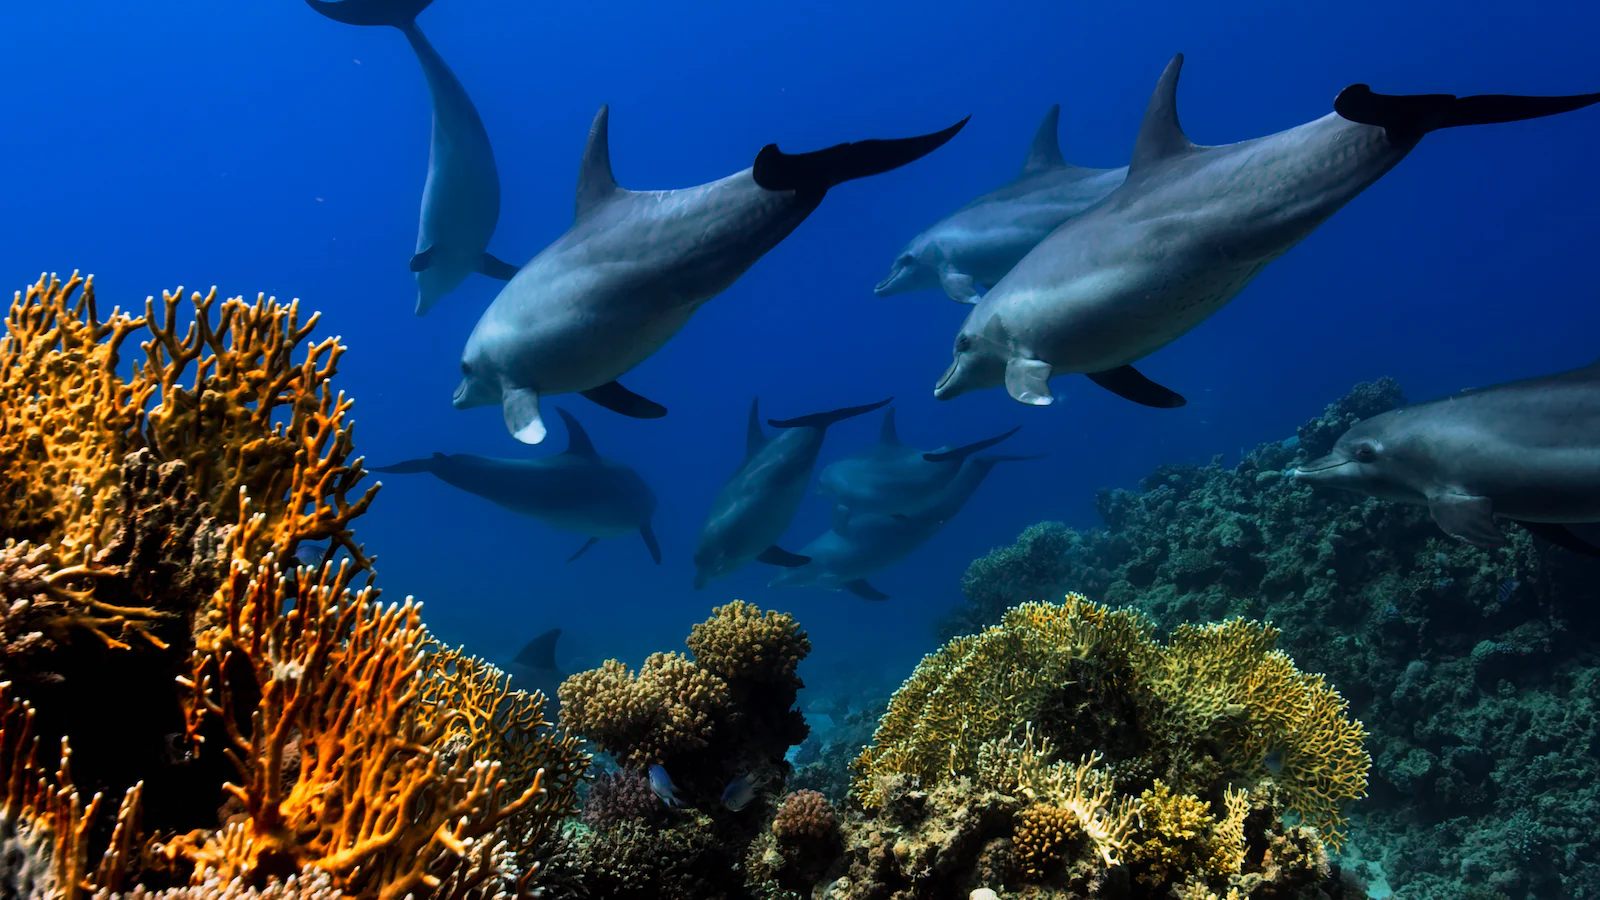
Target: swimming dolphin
1527,451
461,198
578,490
893,478
634,267
760,499
534,669
980,242
863,545
1185,233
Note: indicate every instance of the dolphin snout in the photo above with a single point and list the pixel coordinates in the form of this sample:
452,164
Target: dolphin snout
949,386
462,399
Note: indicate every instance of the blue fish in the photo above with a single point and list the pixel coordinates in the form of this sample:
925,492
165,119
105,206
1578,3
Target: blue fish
739,792
1507,588
308,554
661,784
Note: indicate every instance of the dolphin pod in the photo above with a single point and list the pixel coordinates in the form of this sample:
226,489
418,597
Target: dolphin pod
635,265
1190,227
1527,451
761,497
461,198
980,242
577,490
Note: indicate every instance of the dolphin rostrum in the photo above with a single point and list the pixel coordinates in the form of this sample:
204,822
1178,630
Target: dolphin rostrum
1527,451
980,242
578,490
863,545
635,265
893,478
534,669
760,499
461,198
1190,227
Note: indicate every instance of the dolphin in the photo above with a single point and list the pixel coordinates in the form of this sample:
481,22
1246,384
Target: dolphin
461,198
578,490
863,545
1527,451
980,242
893,478
534,669
634,267
1190,227
759,500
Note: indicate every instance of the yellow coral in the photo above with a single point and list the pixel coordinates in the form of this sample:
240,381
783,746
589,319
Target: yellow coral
740,642
1042,832
669,707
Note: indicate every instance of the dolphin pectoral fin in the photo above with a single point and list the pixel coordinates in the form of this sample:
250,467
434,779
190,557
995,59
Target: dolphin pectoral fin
1028,381
819,170
618,399
1126,382
1467,517
824,419
371,12
777,556
410,466
650,543
584,549
958,287
1408,117
422,260
1561,536
521,409
865,591
495,267
960,453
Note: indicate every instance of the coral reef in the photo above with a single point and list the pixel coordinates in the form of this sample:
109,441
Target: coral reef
1474,671
273,731
619,798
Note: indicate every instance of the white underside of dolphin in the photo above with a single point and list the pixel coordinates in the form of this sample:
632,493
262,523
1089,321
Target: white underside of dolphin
1190,227
633,268
461,197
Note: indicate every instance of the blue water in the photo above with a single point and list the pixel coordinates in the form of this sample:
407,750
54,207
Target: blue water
257,146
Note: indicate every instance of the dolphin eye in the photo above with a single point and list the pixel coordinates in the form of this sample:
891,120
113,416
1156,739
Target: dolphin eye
907,259
963,343
1366,454
466,368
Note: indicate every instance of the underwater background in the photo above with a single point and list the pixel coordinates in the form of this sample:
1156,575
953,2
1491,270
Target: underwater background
256,146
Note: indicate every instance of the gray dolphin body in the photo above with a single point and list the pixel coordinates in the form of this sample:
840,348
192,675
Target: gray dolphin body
461,198
1185,233
635,265
756,505
1528,451
982,241
893,478
578,490
860,546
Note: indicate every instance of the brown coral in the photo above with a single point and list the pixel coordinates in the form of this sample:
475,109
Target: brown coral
1043,832
805,818
669,708
741,643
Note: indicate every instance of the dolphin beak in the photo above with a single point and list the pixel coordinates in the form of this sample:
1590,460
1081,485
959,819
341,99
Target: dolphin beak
886,287
949,386
1311,470
463,395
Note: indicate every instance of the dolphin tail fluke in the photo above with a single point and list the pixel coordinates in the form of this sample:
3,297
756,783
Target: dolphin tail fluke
399,13
540,653
824,419
822,169
961,453
650,543
777,556
1561,536
584,549
1126,382
865,591
410,466
1408,117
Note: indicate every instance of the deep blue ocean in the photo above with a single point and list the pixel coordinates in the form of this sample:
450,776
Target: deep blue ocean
257,146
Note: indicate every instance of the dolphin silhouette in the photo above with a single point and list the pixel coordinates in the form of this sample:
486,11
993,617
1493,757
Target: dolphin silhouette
980,242
1185,233
892,478
534,669
461,198
635,265
578,490
759,500
1527,451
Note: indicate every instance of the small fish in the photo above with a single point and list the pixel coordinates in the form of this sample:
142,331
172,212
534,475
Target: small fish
1274,761
661,784
1507,588
739,792
308,554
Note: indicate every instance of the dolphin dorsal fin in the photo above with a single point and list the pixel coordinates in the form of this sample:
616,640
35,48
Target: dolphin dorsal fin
596,184
754,437
540,653
577,439
887,435
1045,151
1160,135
